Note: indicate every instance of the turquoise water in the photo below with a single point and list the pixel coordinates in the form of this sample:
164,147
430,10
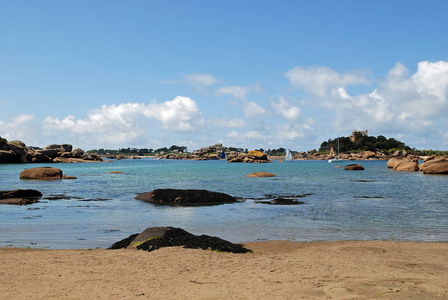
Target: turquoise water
99,208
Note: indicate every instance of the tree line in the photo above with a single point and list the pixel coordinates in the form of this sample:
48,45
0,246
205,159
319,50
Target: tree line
363,143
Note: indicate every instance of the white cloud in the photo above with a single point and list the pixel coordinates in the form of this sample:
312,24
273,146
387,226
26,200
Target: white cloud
18,128
402,103
243,137
237,92
23,118
285,109
321,81
180,114
227,123
253,110
114,124
413,105
200,79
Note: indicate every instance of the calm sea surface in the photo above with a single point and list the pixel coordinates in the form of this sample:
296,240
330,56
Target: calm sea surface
99,208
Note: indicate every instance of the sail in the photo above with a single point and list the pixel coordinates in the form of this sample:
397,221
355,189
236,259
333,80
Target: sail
223,155
288,155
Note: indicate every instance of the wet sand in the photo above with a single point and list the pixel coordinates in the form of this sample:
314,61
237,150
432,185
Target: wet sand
276,270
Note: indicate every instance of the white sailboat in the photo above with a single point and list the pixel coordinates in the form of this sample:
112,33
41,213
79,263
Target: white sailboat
288,155
337,159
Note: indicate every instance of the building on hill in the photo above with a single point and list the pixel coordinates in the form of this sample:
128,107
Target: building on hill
355,132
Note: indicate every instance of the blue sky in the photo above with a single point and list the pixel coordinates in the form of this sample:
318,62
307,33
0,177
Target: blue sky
250,74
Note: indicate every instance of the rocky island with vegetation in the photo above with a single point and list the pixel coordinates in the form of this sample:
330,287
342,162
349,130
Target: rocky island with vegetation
358,146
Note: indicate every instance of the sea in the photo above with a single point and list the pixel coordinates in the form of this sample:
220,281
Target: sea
98,208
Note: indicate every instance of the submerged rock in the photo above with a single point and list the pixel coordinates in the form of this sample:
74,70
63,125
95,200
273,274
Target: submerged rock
261,174
283,201
20,197
157,237
185,197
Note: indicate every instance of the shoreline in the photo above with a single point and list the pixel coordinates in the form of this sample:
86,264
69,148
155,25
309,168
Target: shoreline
276,270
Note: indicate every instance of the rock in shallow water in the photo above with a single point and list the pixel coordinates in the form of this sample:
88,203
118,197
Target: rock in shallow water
261,174
354,167
185,197
19,197
42,173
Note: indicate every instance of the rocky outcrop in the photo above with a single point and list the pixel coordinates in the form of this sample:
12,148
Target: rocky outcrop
18,152
367,155
395,161
42,173
261,174
179,197
19,197
407,166
157,237
251,157
354,167
438,165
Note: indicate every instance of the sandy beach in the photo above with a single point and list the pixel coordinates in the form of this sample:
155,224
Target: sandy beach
276,270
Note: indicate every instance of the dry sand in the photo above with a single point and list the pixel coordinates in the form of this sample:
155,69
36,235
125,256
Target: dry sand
276,270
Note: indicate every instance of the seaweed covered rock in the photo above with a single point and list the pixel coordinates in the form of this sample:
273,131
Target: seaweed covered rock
19,197
185,197
124,243
157,237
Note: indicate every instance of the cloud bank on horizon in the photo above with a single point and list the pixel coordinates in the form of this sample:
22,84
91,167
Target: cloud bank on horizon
401,105
149,75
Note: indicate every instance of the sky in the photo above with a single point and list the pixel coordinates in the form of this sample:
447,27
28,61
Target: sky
250,74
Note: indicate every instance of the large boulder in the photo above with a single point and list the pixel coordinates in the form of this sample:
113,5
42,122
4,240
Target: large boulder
237,159
66,148
428,158
19,197
3,144
395,161
407,166
42,173
52,147
257,155
354,167
261,174
77,152
437,165
40,158
52,153
17,147
8,156
185,197
157,237
369,154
